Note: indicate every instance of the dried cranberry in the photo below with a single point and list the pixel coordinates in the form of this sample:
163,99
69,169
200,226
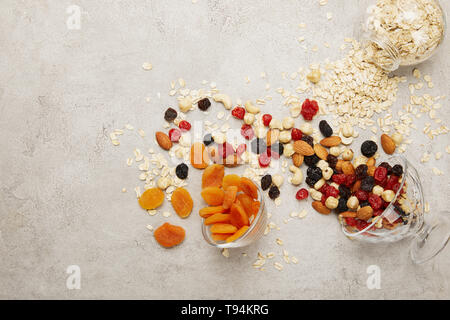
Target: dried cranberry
266,181
361,171
387,166
323,189
325,128
238,112
323,199
397,170
361,224
368,148
204,104
396,186
264,159
362,195
170,114
350,180
375,201
225,150
309,109
247,131
350,222
378,212
308,139
380,174
332,160
339,178
174,134
184,125
296,134
301,194
393,179
241,149
367,183
332,192
266,118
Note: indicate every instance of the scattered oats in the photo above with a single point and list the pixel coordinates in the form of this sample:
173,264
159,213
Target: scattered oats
220,115
138,192
141,132
302,213
278,201
301,39
124,190
302,25
147,66
247,79
263,75
438,155
279,241
437,172
129,126
323,2
293,214
166,214
329,15
278,266
315,48
152,212
259,263
447,149
129,162
427,207
425,157
115,142
150,227
225,252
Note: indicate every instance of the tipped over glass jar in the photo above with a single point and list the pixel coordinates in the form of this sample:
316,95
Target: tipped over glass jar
401,32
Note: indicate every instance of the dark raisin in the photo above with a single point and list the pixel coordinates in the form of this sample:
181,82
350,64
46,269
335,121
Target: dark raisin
208,139
332,161
170,114
367,183
277,147
387,166
308,139
364,203
344,191
310,181
274,192
258,146
266,182
325,128
361,171
342,205
368,148
182,171
314,172
204,104
311,161
397,170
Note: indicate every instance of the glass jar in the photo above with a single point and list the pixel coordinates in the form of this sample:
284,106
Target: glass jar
397,33
254,232
429,237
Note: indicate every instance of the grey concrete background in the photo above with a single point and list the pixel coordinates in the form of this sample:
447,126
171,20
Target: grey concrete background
62,91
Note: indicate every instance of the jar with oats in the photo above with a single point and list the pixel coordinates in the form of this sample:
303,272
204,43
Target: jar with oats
402,32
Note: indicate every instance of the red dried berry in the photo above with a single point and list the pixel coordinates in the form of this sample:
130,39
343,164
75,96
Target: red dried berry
309,109
302,194
350,222
378,212
266,118
332,192
238,112
241,149
379,174
296,134
339,178
393,179
264,159
375,201
225,150
247,131
396,186
323,199
350,180
174,135
361,224
323,189
184,125
362,195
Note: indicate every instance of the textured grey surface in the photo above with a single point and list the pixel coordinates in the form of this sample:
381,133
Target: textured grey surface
61,91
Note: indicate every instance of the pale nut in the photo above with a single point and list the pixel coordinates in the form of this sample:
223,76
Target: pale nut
185,140
285,136
288,123
322,164
344,140
397,137
164,182
347,154
335,151
315,195
224,99
295,109
314,76
306,128
249,118
250,107
277,179
288,150
327,173
388,195
297,177
347,130
219,137
335,185
260,132
352,203
319,184
378,190
359,160
331,203
276,124
185,104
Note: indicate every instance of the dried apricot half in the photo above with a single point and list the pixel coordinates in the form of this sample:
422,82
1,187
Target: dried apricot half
209,211
237,234
221,236
246,202
223,228
230,180
199,155
213,176
218,217
169,235
213,196
151,198
238,217
182,202
229,196
248,187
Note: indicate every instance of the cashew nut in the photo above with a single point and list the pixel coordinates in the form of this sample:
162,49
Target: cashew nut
288,150
250,107
319,184
275,124
306,128
185,104
288,123
249,118
224,99
316,195
297,176
277,179
295,109
285,136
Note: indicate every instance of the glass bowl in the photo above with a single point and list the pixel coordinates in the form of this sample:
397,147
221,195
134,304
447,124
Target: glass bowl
428,238
254,232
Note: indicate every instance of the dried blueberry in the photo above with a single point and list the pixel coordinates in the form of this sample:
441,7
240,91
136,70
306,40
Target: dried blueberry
368,148
311,161
258,146
274,192
266,182
208,139
277,147
332,161
364,203
314,172
182,171
387,166
342,205
308,139
361,171
310,181
325,128
204,104
397,170
170,114
367,183
344,191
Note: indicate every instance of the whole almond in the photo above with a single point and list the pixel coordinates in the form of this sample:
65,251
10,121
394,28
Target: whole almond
163,140
321,152
348,214
303,148
388,144
339,165
332,141
272,136
320,207
297,159
348,168
364,213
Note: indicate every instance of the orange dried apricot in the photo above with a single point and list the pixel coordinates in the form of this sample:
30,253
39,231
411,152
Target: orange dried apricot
182,202
246,202
151,198
223,228
199,155
213,196
169,235
209,211
255,207
238,217
229,196
218,217
237,234
231,180
248,187
220,236
213,176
